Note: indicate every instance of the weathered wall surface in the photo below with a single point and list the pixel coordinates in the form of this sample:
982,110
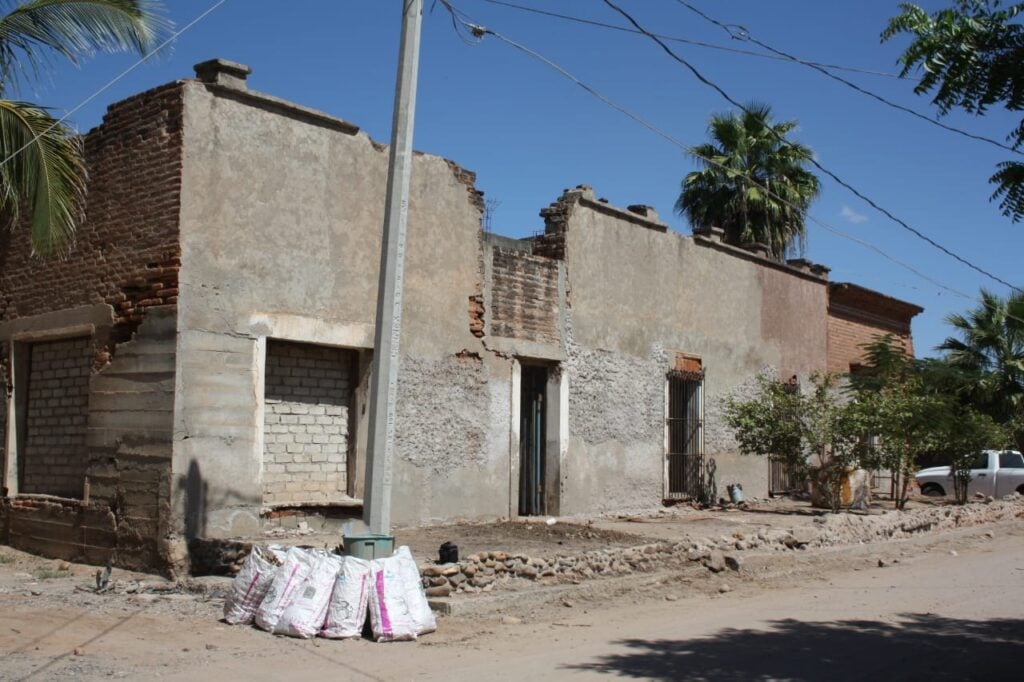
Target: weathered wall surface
640,294
524,301
859,316
119,277
131,409
125,251
281,240
847,334
307,396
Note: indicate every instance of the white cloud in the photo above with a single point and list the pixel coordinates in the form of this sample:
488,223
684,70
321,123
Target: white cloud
852,216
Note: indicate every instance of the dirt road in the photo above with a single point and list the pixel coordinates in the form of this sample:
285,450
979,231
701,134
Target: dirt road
946,606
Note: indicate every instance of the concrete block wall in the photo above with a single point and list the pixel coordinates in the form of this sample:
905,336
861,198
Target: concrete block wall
524,296
307,396
55,457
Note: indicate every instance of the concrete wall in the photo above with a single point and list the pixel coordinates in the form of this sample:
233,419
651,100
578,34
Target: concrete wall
639,294
54,459
280,224
131,409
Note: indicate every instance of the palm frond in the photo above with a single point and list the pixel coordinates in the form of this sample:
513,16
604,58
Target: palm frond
48,175
75,28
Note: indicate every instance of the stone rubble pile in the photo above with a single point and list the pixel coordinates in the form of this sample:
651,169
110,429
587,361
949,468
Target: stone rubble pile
848,529
487,571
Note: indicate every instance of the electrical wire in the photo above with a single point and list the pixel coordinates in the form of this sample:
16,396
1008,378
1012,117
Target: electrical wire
479,31
174,36
677,39
739,32
817,164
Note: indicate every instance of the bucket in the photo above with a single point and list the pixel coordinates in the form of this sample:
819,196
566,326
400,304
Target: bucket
735,493
369,546
448,553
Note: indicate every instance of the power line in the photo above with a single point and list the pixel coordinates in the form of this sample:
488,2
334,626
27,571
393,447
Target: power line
478,31
174,36
677,39
860,195
738,32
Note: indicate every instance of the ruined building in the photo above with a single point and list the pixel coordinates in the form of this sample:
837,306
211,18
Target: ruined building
199,364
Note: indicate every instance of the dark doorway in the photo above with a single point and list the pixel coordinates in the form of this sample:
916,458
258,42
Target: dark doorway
686,466
532,439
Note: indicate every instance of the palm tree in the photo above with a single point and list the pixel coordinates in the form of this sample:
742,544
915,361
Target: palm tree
41,167
748,155
990,347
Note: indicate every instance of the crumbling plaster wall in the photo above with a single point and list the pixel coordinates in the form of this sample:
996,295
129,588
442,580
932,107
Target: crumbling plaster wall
638,295
281,228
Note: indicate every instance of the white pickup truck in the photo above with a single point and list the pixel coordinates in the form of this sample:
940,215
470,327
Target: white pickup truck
994,473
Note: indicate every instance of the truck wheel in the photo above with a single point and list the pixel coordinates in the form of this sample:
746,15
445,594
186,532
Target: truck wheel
934,490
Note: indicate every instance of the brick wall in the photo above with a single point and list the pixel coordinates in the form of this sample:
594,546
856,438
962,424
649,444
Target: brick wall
524,296
126,251
846,336
308,391
55,458
126,254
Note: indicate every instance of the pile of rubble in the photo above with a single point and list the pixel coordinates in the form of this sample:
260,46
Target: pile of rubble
487,571
848,529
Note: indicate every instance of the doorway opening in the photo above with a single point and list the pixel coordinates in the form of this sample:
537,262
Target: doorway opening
533,441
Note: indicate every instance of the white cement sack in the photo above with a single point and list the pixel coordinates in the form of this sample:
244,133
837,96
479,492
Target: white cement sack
251,584
297,564
398,605
415,597
305,613
346,613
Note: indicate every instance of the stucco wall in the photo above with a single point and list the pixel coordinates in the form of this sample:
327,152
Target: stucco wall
281,221
639,294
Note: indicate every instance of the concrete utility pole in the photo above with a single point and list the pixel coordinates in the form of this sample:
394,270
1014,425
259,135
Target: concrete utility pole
384,377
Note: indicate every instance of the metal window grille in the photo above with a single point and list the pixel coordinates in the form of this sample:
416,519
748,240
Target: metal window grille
689,474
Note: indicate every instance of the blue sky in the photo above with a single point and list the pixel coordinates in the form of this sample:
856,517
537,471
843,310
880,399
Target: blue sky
528,133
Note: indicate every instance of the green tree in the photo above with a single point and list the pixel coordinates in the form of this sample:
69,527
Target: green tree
748,154
906,419
818,432
43,171
967,435
972,57
989,349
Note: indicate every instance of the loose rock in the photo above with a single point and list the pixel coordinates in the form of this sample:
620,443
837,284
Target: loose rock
715,561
